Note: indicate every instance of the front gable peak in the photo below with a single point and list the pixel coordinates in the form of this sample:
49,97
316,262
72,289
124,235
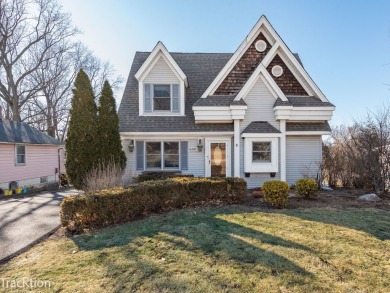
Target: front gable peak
160,51
261,50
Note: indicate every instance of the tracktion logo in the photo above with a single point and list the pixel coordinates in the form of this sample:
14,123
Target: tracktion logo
8,283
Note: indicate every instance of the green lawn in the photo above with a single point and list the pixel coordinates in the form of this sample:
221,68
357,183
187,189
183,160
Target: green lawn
223,249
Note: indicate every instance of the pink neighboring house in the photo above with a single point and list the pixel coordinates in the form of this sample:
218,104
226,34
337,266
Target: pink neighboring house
28,156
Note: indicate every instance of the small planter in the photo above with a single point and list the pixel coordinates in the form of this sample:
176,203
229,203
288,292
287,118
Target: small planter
257,193
7,192
18,190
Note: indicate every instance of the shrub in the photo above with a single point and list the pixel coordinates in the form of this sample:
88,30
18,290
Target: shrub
106,207
104,176
148,176
276,193
306,187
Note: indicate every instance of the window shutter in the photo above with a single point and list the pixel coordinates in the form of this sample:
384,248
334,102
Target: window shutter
175,98
139,148
148,97
184,155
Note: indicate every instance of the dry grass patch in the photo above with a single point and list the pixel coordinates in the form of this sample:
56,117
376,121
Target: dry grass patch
225,249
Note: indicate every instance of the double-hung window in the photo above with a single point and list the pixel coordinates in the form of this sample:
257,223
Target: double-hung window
162,155
20,156
161,98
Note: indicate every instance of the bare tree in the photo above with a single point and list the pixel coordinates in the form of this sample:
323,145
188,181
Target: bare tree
49,110
33,34
359,155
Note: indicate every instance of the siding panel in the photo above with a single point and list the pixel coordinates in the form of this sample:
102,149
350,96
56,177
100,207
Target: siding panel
260,103
41,160
303,155
161,73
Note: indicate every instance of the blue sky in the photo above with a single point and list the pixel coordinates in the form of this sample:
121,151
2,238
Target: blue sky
344,45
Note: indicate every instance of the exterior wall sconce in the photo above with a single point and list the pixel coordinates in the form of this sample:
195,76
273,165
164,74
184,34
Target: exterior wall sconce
131,146
200,145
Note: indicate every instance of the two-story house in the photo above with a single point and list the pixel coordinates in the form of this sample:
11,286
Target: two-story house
255,114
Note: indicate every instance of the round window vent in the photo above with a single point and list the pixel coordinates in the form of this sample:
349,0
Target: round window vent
277,70
261,46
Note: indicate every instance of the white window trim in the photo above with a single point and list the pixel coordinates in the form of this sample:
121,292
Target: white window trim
261,167
142,74
16,155
162,156
161,113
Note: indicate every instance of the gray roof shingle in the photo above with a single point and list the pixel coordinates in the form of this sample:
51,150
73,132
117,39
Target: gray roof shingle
219,101
301,101
200,68
306,126
260,127
18,132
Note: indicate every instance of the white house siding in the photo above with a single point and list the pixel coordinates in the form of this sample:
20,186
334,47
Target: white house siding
260,103
196,160
161,73
304,153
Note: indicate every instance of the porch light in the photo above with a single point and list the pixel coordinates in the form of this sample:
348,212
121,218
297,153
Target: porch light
218,156
131,145
200,145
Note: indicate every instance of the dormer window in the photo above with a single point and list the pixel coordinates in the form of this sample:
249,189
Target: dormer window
161,98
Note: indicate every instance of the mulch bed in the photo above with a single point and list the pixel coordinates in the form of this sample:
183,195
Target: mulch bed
339,198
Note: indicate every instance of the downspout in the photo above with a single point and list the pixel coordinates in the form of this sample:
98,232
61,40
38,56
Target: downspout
59,163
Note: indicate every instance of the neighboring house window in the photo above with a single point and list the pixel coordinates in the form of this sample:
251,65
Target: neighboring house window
261,151
162,155
161,98
44,179
20,155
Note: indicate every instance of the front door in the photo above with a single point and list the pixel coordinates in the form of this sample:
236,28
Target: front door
218,158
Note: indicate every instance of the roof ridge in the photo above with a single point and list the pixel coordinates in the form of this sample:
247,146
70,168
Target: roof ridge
217,53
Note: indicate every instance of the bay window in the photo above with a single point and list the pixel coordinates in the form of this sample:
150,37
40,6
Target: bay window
261,154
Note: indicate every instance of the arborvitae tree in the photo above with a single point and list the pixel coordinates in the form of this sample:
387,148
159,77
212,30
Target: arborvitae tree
110,146
81,143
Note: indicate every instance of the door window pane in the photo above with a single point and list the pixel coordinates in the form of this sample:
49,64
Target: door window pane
218,159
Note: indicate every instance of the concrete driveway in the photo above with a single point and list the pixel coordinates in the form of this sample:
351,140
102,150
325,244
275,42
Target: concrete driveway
26,220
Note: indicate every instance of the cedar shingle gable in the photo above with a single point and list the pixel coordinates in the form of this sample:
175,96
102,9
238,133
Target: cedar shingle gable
244,68
287,81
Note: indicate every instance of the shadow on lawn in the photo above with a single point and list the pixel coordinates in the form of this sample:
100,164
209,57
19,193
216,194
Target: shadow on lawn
367,220
202,232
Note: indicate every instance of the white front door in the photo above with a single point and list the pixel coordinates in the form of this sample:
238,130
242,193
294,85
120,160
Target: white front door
217,155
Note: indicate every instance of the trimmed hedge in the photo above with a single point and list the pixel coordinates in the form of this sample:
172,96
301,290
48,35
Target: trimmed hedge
276,193
159,176
306,187
107,207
